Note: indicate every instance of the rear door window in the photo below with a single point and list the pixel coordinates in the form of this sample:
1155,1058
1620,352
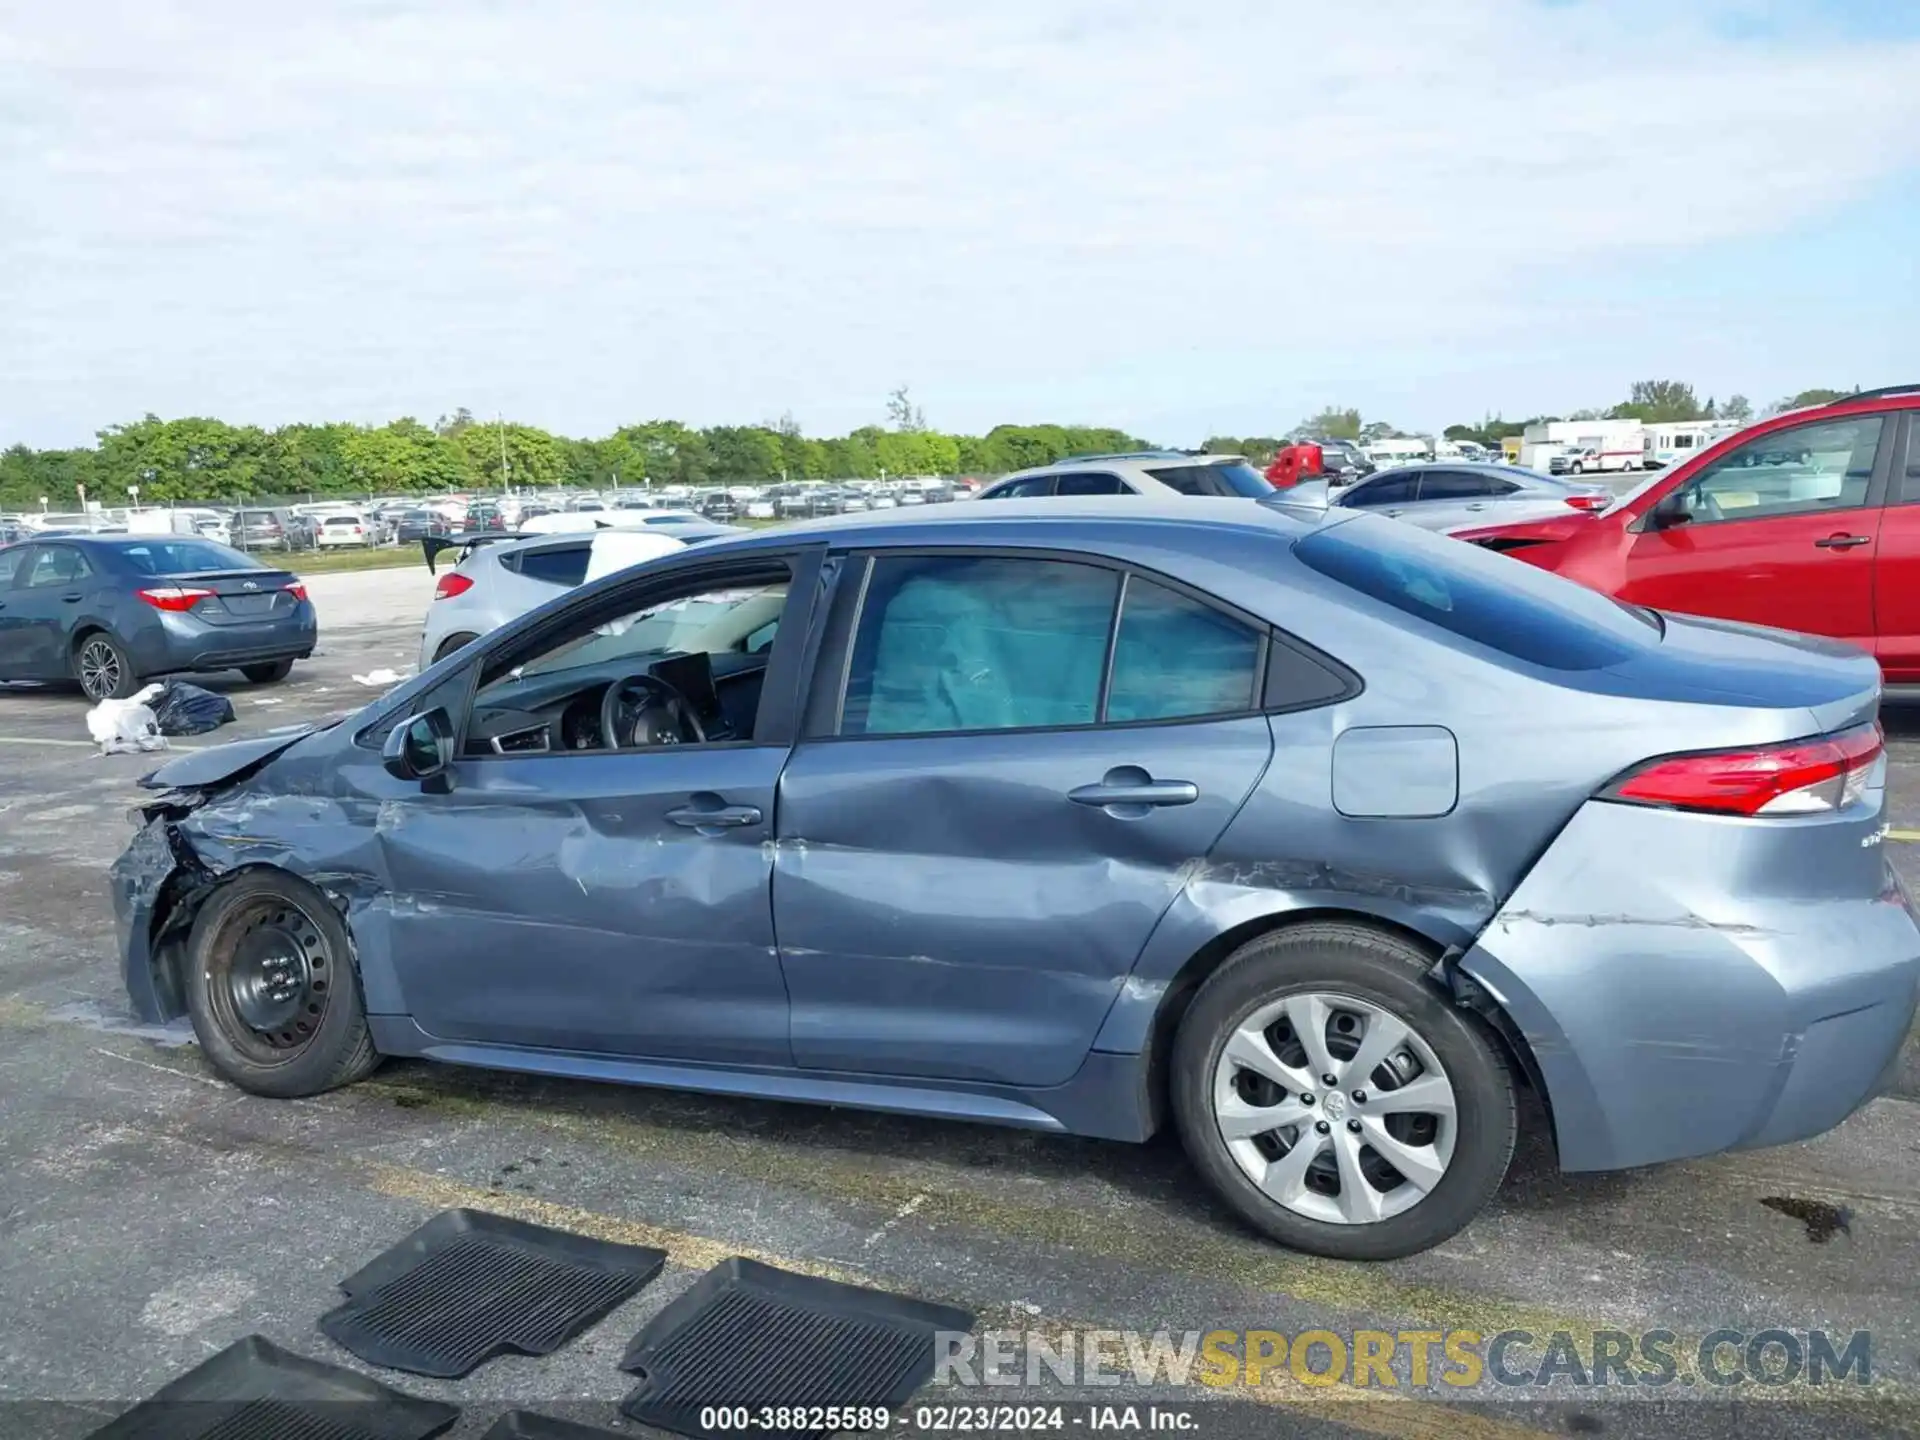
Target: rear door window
1906,488
1025,489
10,566
1392,490
55,565
1090,484
1492,600
1462,485
1175,657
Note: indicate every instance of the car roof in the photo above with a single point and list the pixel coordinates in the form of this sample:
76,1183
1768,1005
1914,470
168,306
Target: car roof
1139,460
1477,467
113,540
1047,519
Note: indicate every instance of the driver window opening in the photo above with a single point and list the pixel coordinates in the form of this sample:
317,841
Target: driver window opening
686,670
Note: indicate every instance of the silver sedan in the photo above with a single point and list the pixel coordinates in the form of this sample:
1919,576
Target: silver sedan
1447,495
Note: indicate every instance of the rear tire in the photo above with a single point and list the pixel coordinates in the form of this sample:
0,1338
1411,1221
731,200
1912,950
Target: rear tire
271,988
1421,1170
451,644
269,674
103,667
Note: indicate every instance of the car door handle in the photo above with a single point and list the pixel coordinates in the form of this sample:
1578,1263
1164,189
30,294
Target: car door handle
1130,786
714,817
1841,542
74,598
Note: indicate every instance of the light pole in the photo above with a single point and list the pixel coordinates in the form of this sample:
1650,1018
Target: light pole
133,495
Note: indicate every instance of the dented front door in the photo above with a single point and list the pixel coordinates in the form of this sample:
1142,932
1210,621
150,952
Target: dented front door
615,903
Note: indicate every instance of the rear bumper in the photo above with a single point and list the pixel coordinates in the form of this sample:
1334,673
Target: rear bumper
184,642
1689,985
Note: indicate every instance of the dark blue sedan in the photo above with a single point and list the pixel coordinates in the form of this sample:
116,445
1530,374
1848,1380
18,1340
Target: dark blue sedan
1315,833
114,611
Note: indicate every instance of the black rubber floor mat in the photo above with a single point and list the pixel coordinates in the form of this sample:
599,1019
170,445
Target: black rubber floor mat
526,1425
467,1286
749,1335
254,1390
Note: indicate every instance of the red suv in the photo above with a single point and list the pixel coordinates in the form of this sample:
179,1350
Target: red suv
1808,521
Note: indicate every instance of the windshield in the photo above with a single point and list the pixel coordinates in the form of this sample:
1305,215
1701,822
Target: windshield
679,627
184,557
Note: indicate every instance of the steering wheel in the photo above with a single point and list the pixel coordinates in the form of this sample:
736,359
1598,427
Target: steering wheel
662,715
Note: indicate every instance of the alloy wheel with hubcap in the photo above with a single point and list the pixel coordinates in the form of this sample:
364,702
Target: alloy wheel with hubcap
1336,1096
1335,1108
102,670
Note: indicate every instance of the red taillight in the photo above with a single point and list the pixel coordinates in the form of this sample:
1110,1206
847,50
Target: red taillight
1589,502
1801,777
451,584
297,590
173,597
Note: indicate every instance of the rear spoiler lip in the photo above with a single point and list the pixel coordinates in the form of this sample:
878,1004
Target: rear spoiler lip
433,546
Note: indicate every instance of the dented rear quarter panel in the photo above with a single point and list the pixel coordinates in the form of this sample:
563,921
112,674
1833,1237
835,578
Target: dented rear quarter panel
1691,983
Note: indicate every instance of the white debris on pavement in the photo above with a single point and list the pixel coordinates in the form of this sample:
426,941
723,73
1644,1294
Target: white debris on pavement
122,727
382,676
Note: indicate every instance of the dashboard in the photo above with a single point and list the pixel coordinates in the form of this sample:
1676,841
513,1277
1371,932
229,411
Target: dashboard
561,710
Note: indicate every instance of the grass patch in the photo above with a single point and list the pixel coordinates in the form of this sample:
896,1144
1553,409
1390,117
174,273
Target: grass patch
390,557
327,562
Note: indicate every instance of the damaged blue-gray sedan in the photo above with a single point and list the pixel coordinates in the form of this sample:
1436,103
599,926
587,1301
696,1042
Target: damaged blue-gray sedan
1318,834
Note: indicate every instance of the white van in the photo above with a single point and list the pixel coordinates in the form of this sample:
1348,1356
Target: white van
1683,439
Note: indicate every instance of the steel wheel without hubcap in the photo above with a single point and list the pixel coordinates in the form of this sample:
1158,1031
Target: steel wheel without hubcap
100,672
1335,1108
269,979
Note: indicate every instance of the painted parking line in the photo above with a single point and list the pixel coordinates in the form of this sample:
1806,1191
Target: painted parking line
1350,1290
88,744
36,740
1907,836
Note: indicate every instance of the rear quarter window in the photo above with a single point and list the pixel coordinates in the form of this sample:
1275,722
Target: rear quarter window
565,566
1492,600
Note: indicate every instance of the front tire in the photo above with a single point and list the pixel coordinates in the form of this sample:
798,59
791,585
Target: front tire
269,674
1336,1100
103,667
271,988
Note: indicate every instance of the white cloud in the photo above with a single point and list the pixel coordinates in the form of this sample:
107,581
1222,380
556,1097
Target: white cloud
587,213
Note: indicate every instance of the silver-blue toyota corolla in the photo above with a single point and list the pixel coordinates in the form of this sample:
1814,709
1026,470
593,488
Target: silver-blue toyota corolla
1320,835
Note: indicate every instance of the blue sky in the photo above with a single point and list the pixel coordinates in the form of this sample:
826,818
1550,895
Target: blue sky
593,212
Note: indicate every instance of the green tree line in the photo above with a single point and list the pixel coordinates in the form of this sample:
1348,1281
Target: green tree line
1649,401
196,458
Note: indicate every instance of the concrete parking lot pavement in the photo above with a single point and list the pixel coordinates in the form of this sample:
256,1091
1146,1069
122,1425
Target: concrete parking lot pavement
150,1215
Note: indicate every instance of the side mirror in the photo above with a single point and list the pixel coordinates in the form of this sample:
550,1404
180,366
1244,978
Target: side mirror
1671,511
420,748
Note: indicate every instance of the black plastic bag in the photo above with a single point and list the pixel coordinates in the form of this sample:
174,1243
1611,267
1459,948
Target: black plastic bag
183,709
